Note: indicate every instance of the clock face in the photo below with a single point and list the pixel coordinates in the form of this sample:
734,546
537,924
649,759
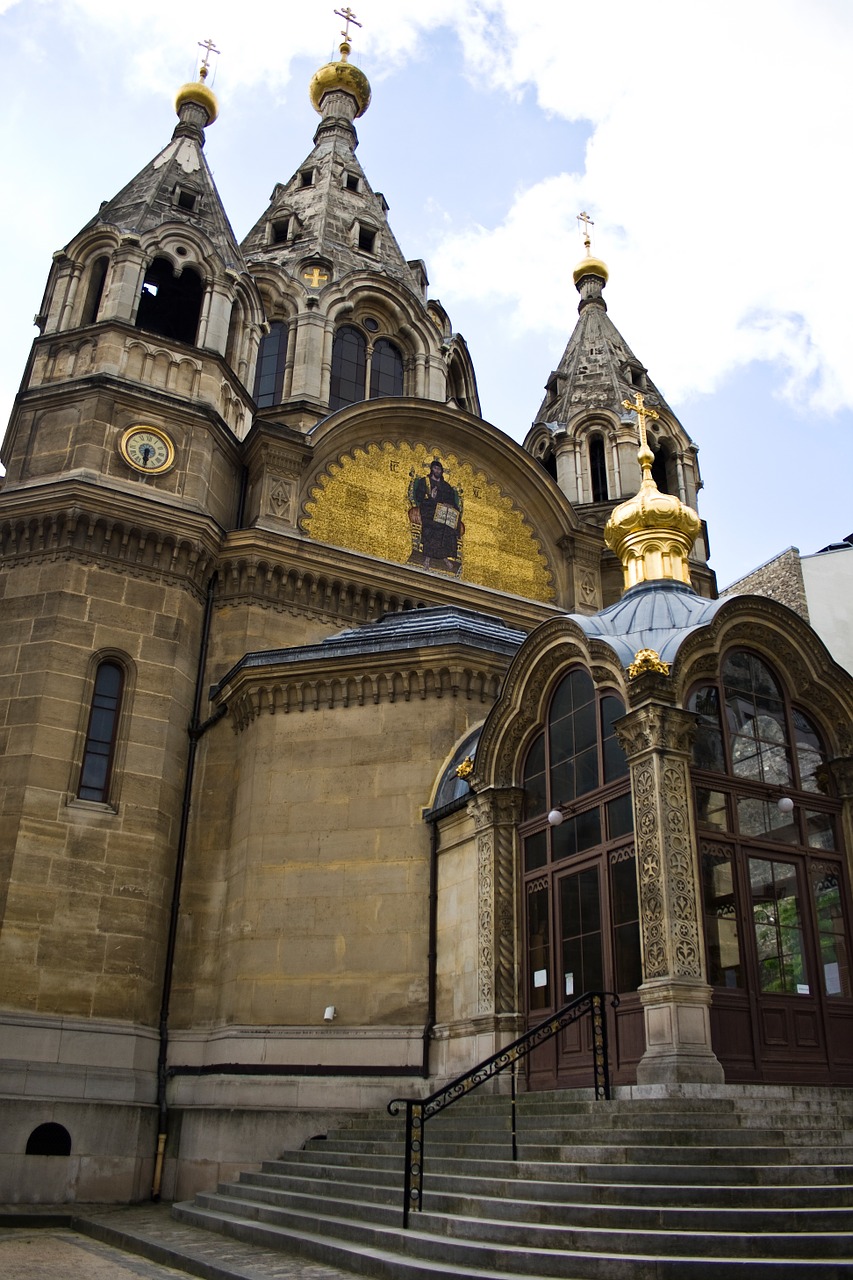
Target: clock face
147,449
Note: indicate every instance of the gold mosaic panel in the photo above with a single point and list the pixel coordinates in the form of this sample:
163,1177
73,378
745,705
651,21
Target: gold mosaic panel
393,501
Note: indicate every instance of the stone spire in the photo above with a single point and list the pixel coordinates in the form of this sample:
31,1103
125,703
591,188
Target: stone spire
177,185
598,368
327,221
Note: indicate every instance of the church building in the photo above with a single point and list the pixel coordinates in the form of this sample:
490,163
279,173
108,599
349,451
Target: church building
344,738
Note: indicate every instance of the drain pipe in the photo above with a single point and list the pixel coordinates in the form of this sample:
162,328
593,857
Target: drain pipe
432,954
195,730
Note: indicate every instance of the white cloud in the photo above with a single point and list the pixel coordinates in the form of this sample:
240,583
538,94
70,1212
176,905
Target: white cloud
717,164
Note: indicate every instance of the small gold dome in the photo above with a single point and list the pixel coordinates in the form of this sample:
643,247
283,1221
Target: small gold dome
198,93
340,75
653,532
590,267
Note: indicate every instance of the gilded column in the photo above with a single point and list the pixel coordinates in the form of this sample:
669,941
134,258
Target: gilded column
675,994
496,813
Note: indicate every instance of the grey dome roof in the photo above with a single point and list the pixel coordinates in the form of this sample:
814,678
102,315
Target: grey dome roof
653,615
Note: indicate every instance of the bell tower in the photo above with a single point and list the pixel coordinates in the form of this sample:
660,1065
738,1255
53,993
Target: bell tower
123,471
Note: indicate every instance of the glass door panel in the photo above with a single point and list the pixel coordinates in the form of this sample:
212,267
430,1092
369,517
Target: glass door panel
580,934
777,924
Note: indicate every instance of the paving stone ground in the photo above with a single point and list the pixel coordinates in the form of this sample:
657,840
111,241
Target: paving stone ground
137,1242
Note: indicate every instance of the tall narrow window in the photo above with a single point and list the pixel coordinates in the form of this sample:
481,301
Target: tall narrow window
269,376
598,469
95,290
386,370
99,751
349,366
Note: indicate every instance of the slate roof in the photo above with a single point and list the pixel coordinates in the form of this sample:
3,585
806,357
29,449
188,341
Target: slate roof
411,629
653,615
148,200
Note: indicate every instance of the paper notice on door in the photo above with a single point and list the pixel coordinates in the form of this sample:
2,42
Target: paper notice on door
832,978
570,984
540,978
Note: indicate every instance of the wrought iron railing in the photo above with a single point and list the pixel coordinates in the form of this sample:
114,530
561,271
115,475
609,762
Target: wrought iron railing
418,1111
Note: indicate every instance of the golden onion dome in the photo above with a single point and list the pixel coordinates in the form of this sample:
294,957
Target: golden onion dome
340,75
197,92
653,532
590,266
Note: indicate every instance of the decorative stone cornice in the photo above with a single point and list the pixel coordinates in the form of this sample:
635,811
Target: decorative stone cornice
360,680
81,522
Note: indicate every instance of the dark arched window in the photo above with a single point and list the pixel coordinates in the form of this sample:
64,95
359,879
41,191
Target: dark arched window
386,370
349,365
597,469
269,375
99,750
95,290
169,304
49,1140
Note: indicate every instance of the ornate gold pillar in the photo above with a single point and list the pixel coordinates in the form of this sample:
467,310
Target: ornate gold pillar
675,995
496,812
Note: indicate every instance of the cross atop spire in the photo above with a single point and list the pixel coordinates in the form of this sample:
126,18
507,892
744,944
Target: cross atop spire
348,17
209,48
587,239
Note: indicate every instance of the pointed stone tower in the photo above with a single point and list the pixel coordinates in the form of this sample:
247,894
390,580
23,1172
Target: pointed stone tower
584,434
349,316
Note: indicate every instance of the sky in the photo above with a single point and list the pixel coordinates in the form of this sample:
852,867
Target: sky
709,140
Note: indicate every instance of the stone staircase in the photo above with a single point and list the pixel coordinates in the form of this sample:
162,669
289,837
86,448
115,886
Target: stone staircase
751,1183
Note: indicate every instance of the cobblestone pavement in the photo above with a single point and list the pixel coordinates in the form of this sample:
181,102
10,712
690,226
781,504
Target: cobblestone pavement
139,1242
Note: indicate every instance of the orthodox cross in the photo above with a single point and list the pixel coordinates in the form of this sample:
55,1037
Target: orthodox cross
209,48
637,406
348,17
587,223
315,275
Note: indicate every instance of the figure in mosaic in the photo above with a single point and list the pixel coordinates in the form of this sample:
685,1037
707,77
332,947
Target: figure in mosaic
435,512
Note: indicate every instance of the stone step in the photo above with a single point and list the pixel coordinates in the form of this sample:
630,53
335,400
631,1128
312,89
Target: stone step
587,1171
385,1187
372,1203
418,1254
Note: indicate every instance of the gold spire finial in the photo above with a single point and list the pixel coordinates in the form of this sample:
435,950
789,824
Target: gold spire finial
341,75
638,406
588,266
653,532
209,48
196,91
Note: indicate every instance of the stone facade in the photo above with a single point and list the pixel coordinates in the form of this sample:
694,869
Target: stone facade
284,904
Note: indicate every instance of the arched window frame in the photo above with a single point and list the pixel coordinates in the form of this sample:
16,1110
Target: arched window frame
359,379
118,740
95,288
170,301
597,453
604,809
730,800
271,365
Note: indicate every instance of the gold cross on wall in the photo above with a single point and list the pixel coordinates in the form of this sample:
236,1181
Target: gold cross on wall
315,275
348,17
637,406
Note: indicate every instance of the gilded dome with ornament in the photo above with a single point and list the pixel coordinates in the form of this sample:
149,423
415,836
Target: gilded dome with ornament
344,76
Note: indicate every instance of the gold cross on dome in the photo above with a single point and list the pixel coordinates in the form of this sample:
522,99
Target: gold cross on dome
637,406
315,275
587,223
348,17
209,48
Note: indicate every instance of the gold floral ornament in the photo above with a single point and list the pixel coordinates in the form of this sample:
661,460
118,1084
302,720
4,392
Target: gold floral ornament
647,660
465,769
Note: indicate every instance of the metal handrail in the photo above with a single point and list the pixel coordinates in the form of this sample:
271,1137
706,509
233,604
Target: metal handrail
418,1111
